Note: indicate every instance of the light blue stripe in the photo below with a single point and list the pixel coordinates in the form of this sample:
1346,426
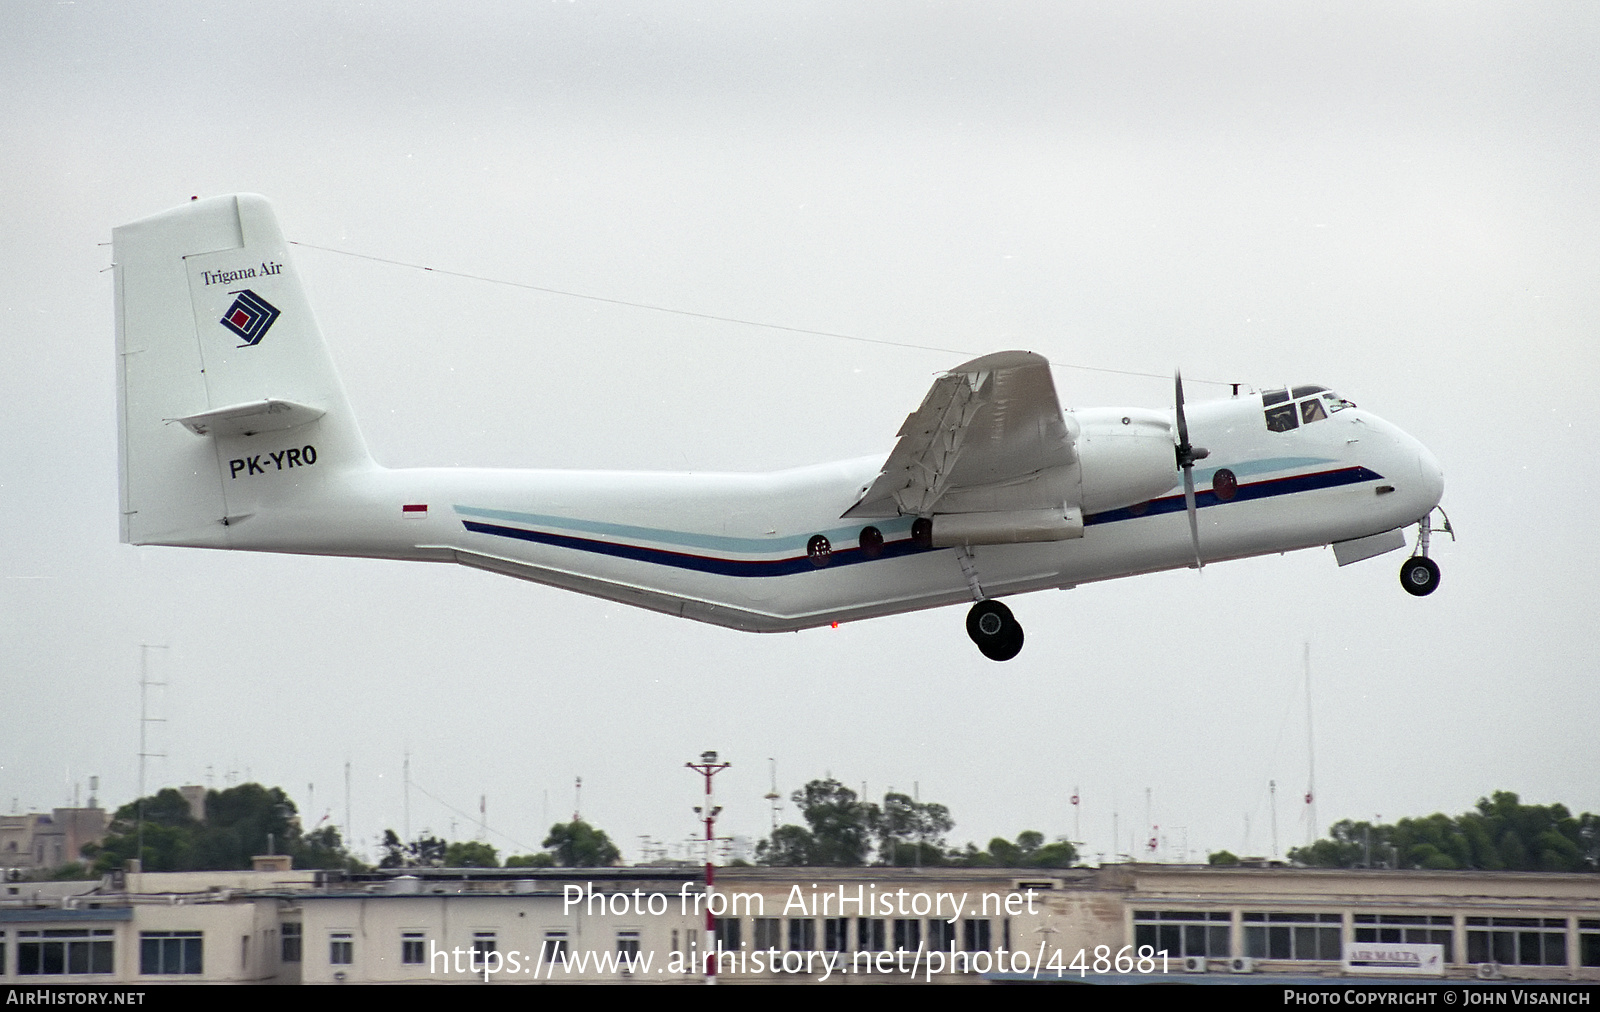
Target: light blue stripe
1252,468
791,543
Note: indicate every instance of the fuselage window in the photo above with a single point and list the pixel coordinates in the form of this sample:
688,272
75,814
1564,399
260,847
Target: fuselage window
1311,411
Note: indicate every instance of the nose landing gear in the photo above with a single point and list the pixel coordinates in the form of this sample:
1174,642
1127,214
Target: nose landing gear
992,627
1419,575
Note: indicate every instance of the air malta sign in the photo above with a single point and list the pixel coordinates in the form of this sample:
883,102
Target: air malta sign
250,316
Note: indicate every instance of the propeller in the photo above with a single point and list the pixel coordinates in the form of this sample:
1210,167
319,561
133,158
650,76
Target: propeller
1187,454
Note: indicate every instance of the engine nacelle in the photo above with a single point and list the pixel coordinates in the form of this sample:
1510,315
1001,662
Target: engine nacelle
1127,455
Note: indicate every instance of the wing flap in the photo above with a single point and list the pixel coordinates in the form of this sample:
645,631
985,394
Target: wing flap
989,435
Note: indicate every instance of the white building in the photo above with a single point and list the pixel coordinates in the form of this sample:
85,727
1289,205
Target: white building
833,925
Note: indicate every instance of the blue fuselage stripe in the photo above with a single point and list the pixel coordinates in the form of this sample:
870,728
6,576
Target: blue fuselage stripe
895,549
1255,490
698,563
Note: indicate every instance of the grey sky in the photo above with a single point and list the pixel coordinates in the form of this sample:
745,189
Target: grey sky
1398,201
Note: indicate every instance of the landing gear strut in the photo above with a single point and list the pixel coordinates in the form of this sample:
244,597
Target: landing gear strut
1419,575
997,633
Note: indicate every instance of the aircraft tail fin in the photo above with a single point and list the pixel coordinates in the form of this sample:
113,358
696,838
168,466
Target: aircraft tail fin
223,376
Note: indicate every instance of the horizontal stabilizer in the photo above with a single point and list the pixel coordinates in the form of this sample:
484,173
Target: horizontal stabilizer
250,418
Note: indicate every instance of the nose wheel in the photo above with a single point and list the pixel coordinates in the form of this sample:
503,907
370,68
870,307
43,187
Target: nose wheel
992,627
1419,575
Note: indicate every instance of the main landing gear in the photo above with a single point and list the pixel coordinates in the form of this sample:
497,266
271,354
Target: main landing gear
1419,575
997,633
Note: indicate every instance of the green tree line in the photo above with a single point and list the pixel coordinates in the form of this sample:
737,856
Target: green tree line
1500,834
244,821
843,830
239,823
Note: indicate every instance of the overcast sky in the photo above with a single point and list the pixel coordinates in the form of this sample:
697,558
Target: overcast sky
1394,200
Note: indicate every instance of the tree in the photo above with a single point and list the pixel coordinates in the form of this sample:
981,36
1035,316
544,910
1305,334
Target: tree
841,830
1501,833
1028,851
579,845
911,832
426,851
544,860
240,822
472,854
788,846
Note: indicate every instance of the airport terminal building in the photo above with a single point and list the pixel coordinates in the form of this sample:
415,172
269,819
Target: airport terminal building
827,925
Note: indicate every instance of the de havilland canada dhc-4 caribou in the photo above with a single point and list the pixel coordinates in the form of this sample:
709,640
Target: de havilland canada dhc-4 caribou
235,433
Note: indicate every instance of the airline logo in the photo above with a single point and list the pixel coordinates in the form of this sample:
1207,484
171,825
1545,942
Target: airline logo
250,316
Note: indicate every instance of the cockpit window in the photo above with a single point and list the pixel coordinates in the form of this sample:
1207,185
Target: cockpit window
1289,409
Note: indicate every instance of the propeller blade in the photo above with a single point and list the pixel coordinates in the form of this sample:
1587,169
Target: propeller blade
1194,517
1183,423
1187,455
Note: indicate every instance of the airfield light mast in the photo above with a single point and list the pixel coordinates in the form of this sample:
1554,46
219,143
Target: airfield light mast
1311,760
144,722
772,796
708,767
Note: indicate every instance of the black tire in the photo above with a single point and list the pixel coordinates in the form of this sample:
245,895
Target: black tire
996,632
1008,646
1419,576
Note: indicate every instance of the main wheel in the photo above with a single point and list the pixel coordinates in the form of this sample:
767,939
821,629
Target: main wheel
1419,576
992,627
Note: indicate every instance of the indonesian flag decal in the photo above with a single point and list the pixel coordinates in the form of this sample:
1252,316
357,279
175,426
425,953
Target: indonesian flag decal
414,511
250,317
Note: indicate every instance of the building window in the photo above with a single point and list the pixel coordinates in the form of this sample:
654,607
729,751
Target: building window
483,943
730,936
1517,941
1183,933
941,935
411,948
1588,943
767,936
975,934
1408,929
171,952
341,949
1293,936
291,942
627,950
870,935
62,951
802,934
836,934
907,934
554,951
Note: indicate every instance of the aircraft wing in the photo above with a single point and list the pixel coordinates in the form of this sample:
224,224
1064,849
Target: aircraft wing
989,436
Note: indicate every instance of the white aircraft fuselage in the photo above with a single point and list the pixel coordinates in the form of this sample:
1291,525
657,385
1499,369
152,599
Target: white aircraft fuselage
235,433
730,549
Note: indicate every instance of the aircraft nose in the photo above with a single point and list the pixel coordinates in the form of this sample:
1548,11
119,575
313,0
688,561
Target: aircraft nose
1432,475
